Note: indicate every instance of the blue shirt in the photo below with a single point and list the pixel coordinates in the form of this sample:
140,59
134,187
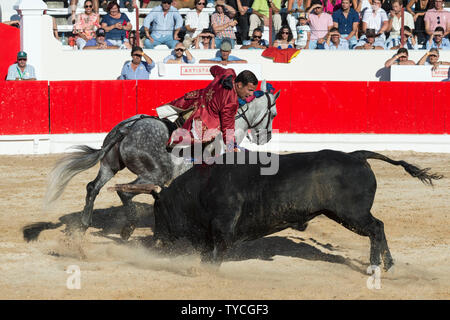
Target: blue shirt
218,57
345,25
172,57
142,72
163,25
115,34
262,42
445,44
93,43
343,45
13,72
393,42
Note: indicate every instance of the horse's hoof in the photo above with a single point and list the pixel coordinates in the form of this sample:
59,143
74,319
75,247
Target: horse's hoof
126,232
388,265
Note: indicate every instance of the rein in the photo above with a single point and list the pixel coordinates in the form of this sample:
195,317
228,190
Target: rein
268,113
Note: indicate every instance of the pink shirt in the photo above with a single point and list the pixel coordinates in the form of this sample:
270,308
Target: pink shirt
86,24
432,18
319,24
219,20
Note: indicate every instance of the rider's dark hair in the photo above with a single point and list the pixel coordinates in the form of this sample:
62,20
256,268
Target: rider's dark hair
246,77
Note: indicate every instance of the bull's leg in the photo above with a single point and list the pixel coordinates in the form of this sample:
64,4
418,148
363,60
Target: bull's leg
93,188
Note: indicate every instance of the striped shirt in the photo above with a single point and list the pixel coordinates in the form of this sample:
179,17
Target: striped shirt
219,20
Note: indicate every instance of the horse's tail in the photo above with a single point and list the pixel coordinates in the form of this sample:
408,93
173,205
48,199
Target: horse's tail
421,174
72,164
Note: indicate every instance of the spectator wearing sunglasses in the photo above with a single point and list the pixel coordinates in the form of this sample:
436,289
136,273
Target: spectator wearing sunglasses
21,70
74,4
205,40
136,69
165,22
284,38
85,24
256,42
132,40
409,41
437,17
179,55
438,41
196,21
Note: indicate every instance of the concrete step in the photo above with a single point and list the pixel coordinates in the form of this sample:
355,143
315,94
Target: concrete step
57,3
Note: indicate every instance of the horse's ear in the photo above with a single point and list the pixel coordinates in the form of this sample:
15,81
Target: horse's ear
264,86
277,94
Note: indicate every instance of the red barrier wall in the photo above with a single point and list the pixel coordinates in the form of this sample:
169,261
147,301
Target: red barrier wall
10,40
303,106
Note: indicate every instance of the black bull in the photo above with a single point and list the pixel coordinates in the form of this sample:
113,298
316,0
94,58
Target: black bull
216,206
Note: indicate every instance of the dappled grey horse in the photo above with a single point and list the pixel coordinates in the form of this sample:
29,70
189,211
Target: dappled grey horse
139,144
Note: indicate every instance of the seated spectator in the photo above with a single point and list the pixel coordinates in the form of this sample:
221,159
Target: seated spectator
256,42
437,17
132,40
222,25
179,55
376,18
303,32
74,4
260,15
331,5
420,9
99,42
335,41
320,23
346,19
205,40
223,56
368,42
438,41
284,38
293,10
123,3
116,24
400,58
431,58
243,10
21,70
166,22
408,39
85,25
395,20
196,21
136,69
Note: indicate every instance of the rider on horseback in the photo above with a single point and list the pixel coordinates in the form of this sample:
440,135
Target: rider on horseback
212,110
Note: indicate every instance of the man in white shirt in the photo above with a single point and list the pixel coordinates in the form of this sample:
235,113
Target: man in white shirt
376,18
395,21
196,21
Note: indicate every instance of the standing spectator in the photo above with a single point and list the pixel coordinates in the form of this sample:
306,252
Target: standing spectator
256,42
437,17
284,38
368,42
75,3
179,55
260,15
99,42
223,25
431,58
400,58
223,56
21,70
420,8
136,69
85,24
196,21
335,40
205,40
346,19
395,20
167,22
243,10
438,41
320,23
408,39
116,24
303,32
376,18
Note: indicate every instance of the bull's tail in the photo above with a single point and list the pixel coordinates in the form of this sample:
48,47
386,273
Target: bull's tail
422,174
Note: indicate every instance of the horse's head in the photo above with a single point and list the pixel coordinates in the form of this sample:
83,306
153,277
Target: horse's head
258,116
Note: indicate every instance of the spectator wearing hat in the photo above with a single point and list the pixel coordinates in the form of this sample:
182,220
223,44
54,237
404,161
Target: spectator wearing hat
136,69
346,19
303,32
116,24
400,58
260,14
222,24
99,42
21,70
165,22
179,55
223,55
256,42
368,42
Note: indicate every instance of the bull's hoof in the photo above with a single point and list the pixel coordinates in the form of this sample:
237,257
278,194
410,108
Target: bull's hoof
127,231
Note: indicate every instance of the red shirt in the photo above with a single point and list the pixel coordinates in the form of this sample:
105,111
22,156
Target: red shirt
215,109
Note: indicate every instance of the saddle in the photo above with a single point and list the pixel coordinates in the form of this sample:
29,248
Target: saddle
174,114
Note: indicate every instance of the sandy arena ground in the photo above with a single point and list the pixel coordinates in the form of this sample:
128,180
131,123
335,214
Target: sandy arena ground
325,262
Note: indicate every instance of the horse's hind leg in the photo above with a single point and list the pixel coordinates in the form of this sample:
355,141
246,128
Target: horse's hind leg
93,188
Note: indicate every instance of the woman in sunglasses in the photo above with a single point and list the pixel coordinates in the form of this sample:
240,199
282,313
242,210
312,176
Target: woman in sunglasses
205,40
85,24
284,38
74,4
